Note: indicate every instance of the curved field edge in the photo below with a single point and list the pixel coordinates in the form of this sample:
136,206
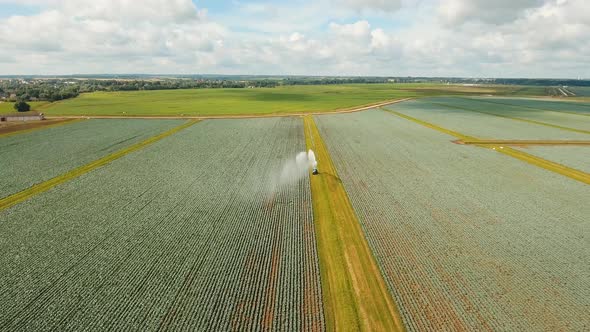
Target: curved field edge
354,292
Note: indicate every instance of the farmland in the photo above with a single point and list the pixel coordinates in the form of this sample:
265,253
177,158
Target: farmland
184,234
467,238
581,91
280,100
439,213
577,157
37,156
487,120
542,105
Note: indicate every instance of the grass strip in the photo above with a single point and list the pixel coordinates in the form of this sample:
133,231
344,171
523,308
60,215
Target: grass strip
14,199
523,142
512,118
27,130
354,292
433,126
540,162
546,164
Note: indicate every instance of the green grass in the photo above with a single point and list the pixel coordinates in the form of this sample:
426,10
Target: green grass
7,107
286,99
347,265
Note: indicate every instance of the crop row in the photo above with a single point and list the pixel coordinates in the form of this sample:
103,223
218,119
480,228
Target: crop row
522,111
186,234
479,119
581,91
544,104
577,157
37,156
466,238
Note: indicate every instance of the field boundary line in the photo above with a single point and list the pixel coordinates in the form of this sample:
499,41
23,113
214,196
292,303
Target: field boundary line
521,106
21,196
228,116
513,118
522,142
53,125
433,126
354,293
523,156
546,164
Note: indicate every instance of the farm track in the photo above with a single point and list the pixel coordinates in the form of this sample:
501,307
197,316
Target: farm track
354,292
16,198
245,116
537,161
512,118
502,142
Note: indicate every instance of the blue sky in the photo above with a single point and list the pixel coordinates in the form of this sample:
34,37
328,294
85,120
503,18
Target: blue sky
472,38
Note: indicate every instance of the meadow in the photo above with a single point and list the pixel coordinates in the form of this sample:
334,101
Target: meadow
8,107
256,101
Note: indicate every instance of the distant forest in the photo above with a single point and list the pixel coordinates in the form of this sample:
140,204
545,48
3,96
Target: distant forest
33,88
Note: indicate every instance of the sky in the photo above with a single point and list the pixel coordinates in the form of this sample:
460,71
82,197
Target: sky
462,38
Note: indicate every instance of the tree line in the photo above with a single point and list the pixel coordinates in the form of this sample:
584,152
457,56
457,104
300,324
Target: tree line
54,89
59,89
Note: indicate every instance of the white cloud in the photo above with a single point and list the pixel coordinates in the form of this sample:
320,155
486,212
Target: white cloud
387,6
496,12
476,38
110,31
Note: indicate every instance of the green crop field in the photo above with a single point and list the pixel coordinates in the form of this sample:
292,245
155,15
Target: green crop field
545,104
188,233
577,157
528,91
467,238
285,99
482,119
30,158
442,213
7,107
581,91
